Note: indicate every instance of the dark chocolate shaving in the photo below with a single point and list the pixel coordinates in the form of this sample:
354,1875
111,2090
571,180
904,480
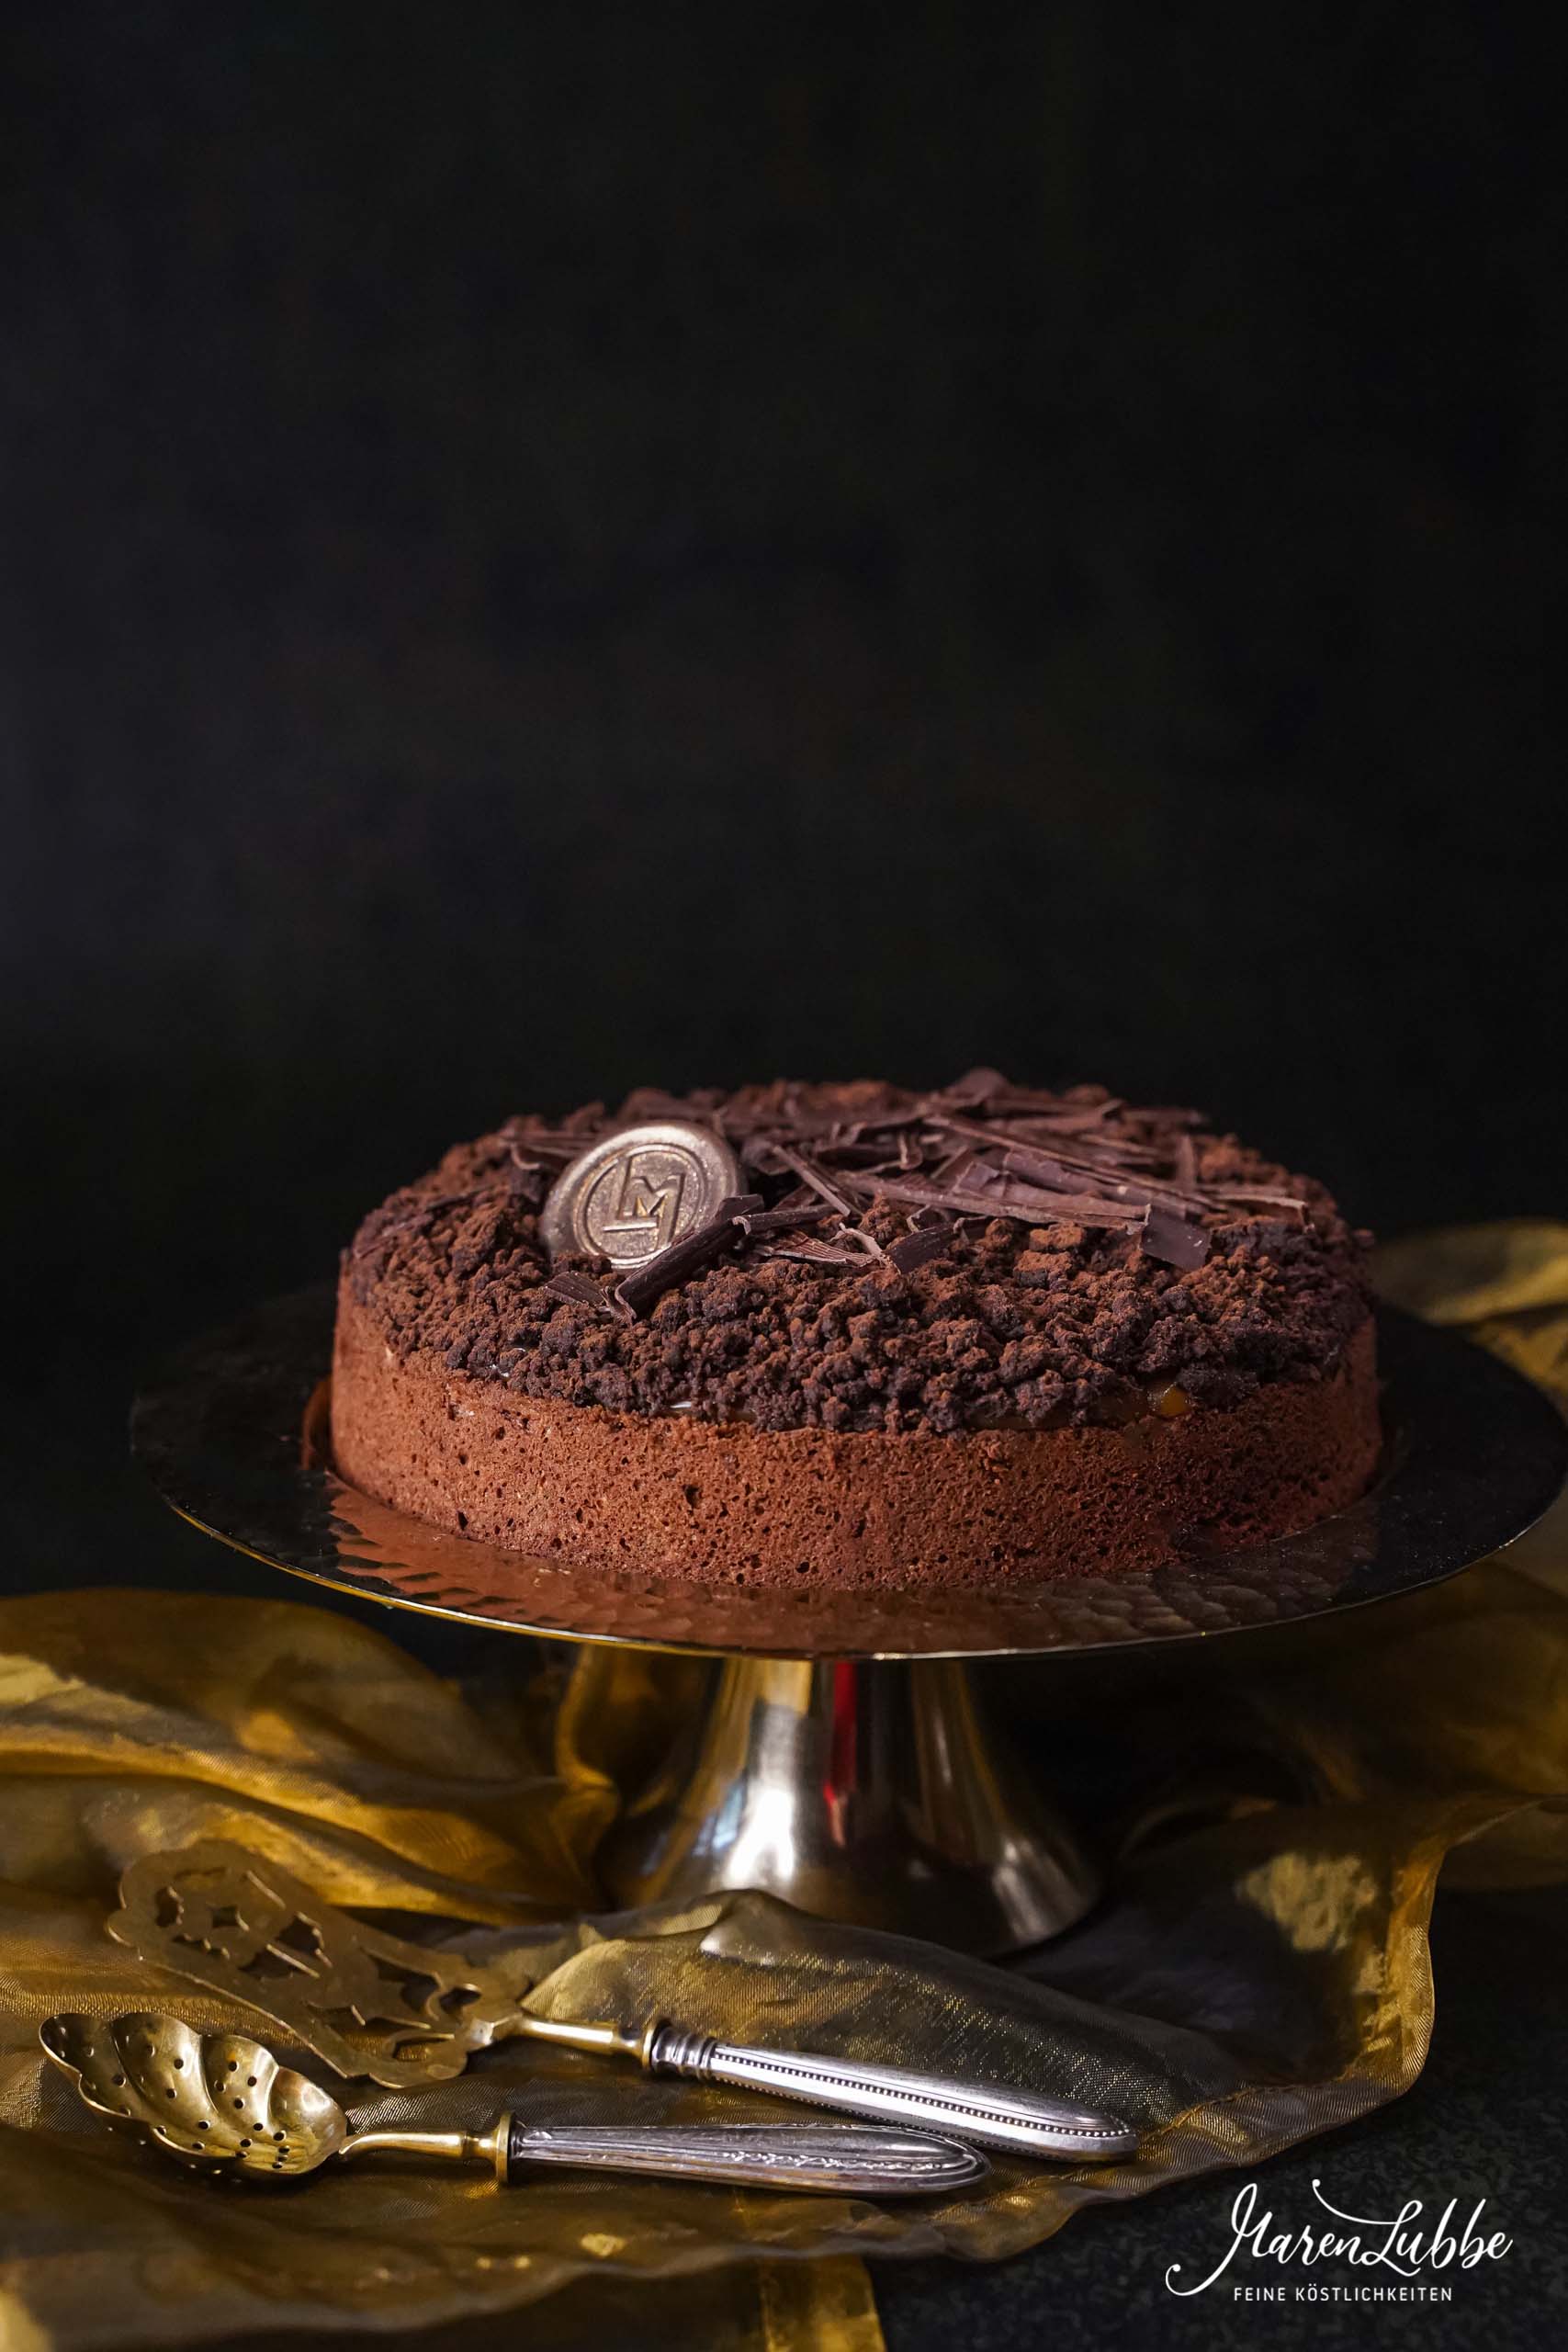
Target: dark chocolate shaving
1021,1159
810,1173
582,1290
1175,1240
811,1252
1251,1195
788,1214
964,1167
918,1248
644,1284
1092,1158
1030,1207
975,1086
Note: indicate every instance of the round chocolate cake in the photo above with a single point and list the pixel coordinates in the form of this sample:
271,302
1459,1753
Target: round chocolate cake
848,1334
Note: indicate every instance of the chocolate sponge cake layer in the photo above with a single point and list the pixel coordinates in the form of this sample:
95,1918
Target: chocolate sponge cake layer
970,1335
726,1502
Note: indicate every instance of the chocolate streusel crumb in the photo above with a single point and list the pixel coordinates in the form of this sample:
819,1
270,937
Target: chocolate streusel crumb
1074,1253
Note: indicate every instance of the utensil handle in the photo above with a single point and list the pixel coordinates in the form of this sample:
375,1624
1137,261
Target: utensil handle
848,2160
1017,2121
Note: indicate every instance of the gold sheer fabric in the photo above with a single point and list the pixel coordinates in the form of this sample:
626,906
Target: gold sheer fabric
1259,1974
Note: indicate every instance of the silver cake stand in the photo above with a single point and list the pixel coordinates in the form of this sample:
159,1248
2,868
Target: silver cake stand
841,1759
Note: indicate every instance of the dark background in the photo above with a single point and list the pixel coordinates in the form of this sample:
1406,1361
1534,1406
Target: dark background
551,547
548,547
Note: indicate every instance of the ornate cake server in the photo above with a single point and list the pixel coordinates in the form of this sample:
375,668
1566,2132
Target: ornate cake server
372,2004
219,2103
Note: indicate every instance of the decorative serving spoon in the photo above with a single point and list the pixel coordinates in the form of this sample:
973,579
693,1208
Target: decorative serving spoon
250,1932
219,2103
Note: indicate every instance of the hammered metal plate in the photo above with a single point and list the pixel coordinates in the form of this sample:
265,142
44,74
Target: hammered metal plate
233,1432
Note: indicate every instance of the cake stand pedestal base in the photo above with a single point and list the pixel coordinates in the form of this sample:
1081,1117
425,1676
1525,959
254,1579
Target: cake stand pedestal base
863,1790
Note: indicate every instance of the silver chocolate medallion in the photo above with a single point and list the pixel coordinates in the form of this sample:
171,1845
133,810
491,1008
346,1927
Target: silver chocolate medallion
637,1192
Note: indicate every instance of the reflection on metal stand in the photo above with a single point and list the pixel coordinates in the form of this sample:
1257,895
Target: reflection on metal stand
860,1790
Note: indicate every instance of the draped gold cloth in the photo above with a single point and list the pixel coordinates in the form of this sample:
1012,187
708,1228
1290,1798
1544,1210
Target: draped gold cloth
1259,1974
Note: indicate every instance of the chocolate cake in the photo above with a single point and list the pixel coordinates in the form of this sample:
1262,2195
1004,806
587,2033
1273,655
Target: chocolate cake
850,1334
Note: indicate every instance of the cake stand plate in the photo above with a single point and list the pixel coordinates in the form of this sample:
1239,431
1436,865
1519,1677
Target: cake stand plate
842,1762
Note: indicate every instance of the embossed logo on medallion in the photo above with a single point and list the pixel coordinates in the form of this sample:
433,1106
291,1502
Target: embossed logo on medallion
636,1192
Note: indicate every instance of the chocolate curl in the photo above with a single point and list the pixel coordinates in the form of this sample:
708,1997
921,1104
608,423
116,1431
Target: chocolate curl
785,1218
582,1290
638,1290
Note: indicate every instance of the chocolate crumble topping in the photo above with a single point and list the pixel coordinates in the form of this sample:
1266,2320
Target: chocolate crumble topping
987,1256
